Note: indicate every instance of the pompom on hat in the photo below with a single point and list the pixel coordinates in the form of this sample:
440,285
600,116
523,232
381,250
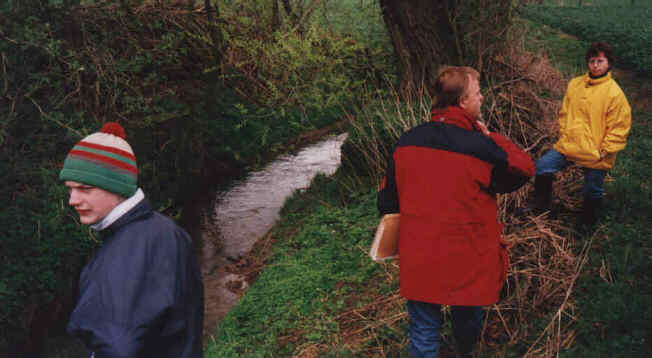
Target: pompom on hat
104,160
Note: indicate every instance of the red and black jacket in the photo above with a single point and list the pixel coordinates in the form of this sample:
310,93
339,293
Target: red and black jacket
443,178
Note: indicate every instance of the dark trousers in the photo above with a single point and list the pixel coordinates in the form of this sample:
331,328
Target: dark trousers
553,161
425,326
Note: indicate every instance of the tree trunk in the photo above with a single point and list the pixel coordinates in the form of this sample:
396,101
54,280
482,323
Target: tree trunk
276,20
427,34
216,34
423,35
288,10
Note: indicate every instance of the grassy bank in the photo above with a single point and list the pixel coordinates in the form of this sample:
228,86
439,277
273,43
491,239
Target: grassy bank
314,264
316,293
200,98
615,289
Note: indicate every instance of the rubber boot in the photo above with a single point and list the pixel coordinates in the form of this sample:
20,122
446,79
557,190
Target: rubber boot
464,347
543,192
467,328
590,212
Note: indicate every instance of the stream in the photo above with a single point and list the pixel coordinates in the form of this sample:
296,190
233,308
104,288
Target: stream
246,211
242,213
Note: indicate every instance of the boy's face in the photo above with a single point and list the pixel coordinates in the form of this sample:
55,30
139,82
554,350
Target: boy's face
91,203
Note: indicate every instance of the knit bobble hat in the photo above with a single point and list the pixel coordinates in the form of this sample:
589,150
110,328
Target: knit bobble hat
104,160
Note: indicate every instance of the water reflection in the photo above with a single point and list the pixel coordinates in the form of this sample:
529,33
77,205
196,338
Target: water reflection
247,210
251,207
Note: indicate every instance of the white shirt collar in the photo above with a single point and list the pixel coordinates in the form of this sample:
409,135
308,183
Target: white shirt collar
119,210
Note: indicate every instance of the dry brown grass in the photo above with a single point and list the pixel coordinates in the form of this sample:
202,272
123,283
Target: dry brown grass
545,259
545,256
545,264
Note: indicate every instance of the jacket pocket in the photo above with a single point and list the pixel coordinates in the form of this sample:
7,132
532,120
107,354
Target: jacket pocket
578,143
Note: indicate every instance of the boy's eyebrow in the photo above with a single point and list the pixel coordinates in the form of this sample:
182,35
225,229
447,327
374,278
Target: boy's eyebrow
82,186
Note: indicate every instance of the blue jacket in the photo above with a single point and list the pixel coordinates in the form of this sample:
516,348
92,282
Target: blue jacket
141,295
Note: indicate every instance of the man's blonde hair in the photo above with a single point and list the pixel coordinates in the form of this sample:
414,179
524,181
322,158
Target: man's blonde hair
452,84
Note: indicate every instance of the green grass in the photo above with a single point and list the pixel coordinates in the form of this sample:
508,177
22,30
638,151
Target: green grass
319,255
616,291
626,28
360,19
151,72
566,52
587,3
319,264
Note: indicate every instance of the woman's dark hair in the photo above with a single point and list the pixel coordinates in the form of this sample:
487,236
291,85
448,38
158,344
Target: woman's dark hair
597,47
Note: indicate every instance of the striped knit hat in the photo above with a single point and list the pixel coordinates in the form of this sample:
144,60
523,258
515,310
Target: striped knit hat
104,160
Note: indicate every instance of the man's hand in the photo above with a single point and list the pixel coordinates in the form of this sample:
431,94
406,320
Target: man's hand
483,127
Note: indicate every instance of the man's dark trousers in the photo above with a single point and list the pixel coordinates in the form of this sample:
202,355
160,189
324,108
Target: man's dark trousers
425,326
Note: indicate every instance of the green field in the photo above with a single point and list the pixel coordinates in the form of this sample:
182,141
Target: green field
627,28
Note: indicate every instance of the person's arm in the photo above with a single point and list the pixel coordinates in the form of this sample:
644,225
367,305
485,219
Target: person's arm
127,300
618,121
513,169
513,165
387,192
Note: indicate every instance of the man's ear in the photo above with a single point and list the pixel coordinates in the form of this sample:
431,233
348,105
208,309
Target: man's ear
462,102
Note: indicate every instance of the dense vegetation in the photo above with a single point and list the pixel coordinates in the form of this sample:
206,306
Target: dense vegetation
626,27
203,94
200,99
321,297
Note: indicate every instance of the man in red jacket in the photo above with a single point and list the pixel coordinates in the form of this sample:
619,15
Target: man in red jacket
443,178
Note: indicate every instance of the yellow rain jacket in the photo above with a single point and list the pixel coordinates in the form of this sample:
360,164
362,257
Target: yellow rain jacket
595,118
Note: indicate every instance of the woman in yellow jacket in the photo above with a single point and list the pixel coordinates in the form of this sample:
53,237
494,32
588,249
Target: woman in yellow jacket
594,122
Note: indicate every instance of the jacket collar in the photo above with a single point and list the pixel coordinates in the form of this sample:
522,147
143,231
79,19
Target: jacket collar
596,81
142,209
119,210
456,116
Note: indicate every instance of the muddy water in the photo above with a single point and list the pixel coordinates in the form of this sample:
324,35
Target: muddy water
246,211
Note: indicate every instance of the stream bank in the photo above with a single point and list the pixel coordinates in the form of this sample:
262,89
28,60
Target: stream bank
243,212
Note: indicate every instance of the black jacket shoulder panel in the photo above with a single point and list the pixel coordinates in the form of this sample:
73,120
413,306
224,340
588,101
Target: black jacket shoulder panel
448,137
